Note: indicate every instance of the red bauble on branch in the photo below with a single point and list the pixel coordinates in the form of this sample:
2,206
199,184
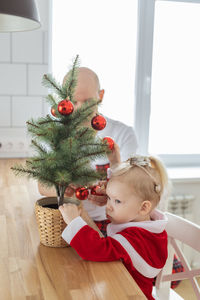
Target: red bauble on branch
53,111
82,193
65,107
98,122
110,142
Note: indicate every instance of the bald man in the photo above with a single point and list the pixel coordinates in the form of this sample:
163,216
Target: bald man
88,87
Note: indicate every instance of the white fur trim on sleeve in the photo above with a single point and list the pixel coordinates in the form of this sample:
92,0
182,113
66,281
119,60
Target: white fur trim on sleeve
72,229
109,173
138,262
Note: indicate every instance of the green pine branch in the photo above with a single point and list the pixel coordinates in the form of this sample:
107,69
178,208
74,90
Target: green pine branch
52,100
50,82
92,154
39,147
18,170
71,81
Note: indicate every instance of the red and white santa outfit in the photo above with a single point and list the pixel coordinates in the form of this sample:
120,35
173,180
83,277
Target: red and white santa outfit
142,246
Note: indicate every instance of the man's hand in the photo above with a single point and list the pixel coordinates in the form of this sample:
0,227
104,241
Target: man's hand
69,212
114,156
69,192
99,200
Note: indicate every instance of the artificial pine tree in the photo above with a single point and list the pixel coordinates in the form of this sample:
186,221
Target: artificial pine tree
64,146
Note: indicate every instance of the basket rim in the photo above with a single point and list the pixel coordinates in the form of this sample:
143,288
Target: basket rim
46,200
52,200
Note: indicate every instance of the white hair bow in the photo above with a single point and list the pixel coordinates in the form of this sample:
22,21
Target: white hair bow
140,161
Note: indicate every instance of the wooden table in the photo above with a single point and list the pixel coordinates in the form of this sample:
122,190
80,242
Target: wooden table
31,271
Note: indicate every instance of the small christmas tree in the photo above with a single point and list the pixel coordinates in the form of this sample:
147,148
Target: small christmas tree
64,146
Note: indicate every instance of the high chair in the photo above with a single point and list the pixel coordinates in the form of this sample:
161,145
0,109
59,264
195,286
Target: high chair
188,233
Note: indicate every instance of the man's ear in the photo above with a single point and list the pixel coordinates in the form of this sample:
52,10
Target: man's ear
146,207
101,94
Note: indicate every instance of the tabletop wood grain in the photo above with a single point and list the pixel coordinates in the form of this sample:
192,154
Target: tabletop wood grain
31,271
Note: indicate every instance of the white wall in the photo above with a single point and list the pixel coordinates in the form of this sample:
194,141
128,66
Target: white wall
24,58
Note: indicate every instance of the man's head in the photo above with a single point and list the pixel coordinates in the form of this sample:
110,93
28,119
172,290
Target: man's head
87,86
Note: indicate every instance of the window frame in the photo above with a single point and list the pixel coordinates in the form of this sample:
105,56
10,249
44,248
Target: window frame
144,56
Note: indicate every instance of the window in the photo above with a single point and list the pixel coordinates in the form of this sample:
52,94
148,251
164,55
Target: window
175,90
104,34
171,89
157,38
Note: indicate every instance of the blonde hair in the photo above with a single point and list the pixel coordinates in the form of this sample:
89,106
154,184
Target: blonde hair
146,174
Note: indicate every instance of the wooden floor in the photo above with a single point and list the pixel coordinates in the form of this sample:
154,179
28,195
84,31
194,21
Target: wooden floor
10,185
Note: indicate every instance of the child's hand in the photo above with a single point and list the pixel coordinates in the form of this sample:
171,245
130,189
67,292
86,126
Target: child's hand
114,157
69,212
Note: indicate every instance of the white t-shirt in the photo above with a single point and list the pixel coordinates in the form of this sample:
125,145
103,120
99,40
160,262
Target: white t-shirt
125,137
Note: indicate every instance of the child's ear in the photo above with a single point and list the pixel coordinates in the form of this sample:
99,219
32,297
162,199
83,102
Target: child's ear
101,94
146,207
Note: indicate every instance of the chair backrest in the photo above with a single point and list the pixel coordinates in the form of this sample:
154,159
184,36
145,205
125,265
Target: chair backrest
188,233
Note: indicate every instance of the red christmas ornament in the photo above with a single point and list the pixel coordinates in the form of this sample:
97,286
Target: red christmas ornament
110,142
98,122
65,107
82,193
53,111
93,190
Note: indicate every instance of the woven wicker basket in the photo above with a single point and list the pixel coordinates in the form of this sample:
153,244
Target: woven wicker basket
50,223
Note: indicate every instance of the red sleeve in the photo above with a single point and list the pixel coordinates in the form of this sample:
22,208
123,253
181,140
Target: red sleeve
90,246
